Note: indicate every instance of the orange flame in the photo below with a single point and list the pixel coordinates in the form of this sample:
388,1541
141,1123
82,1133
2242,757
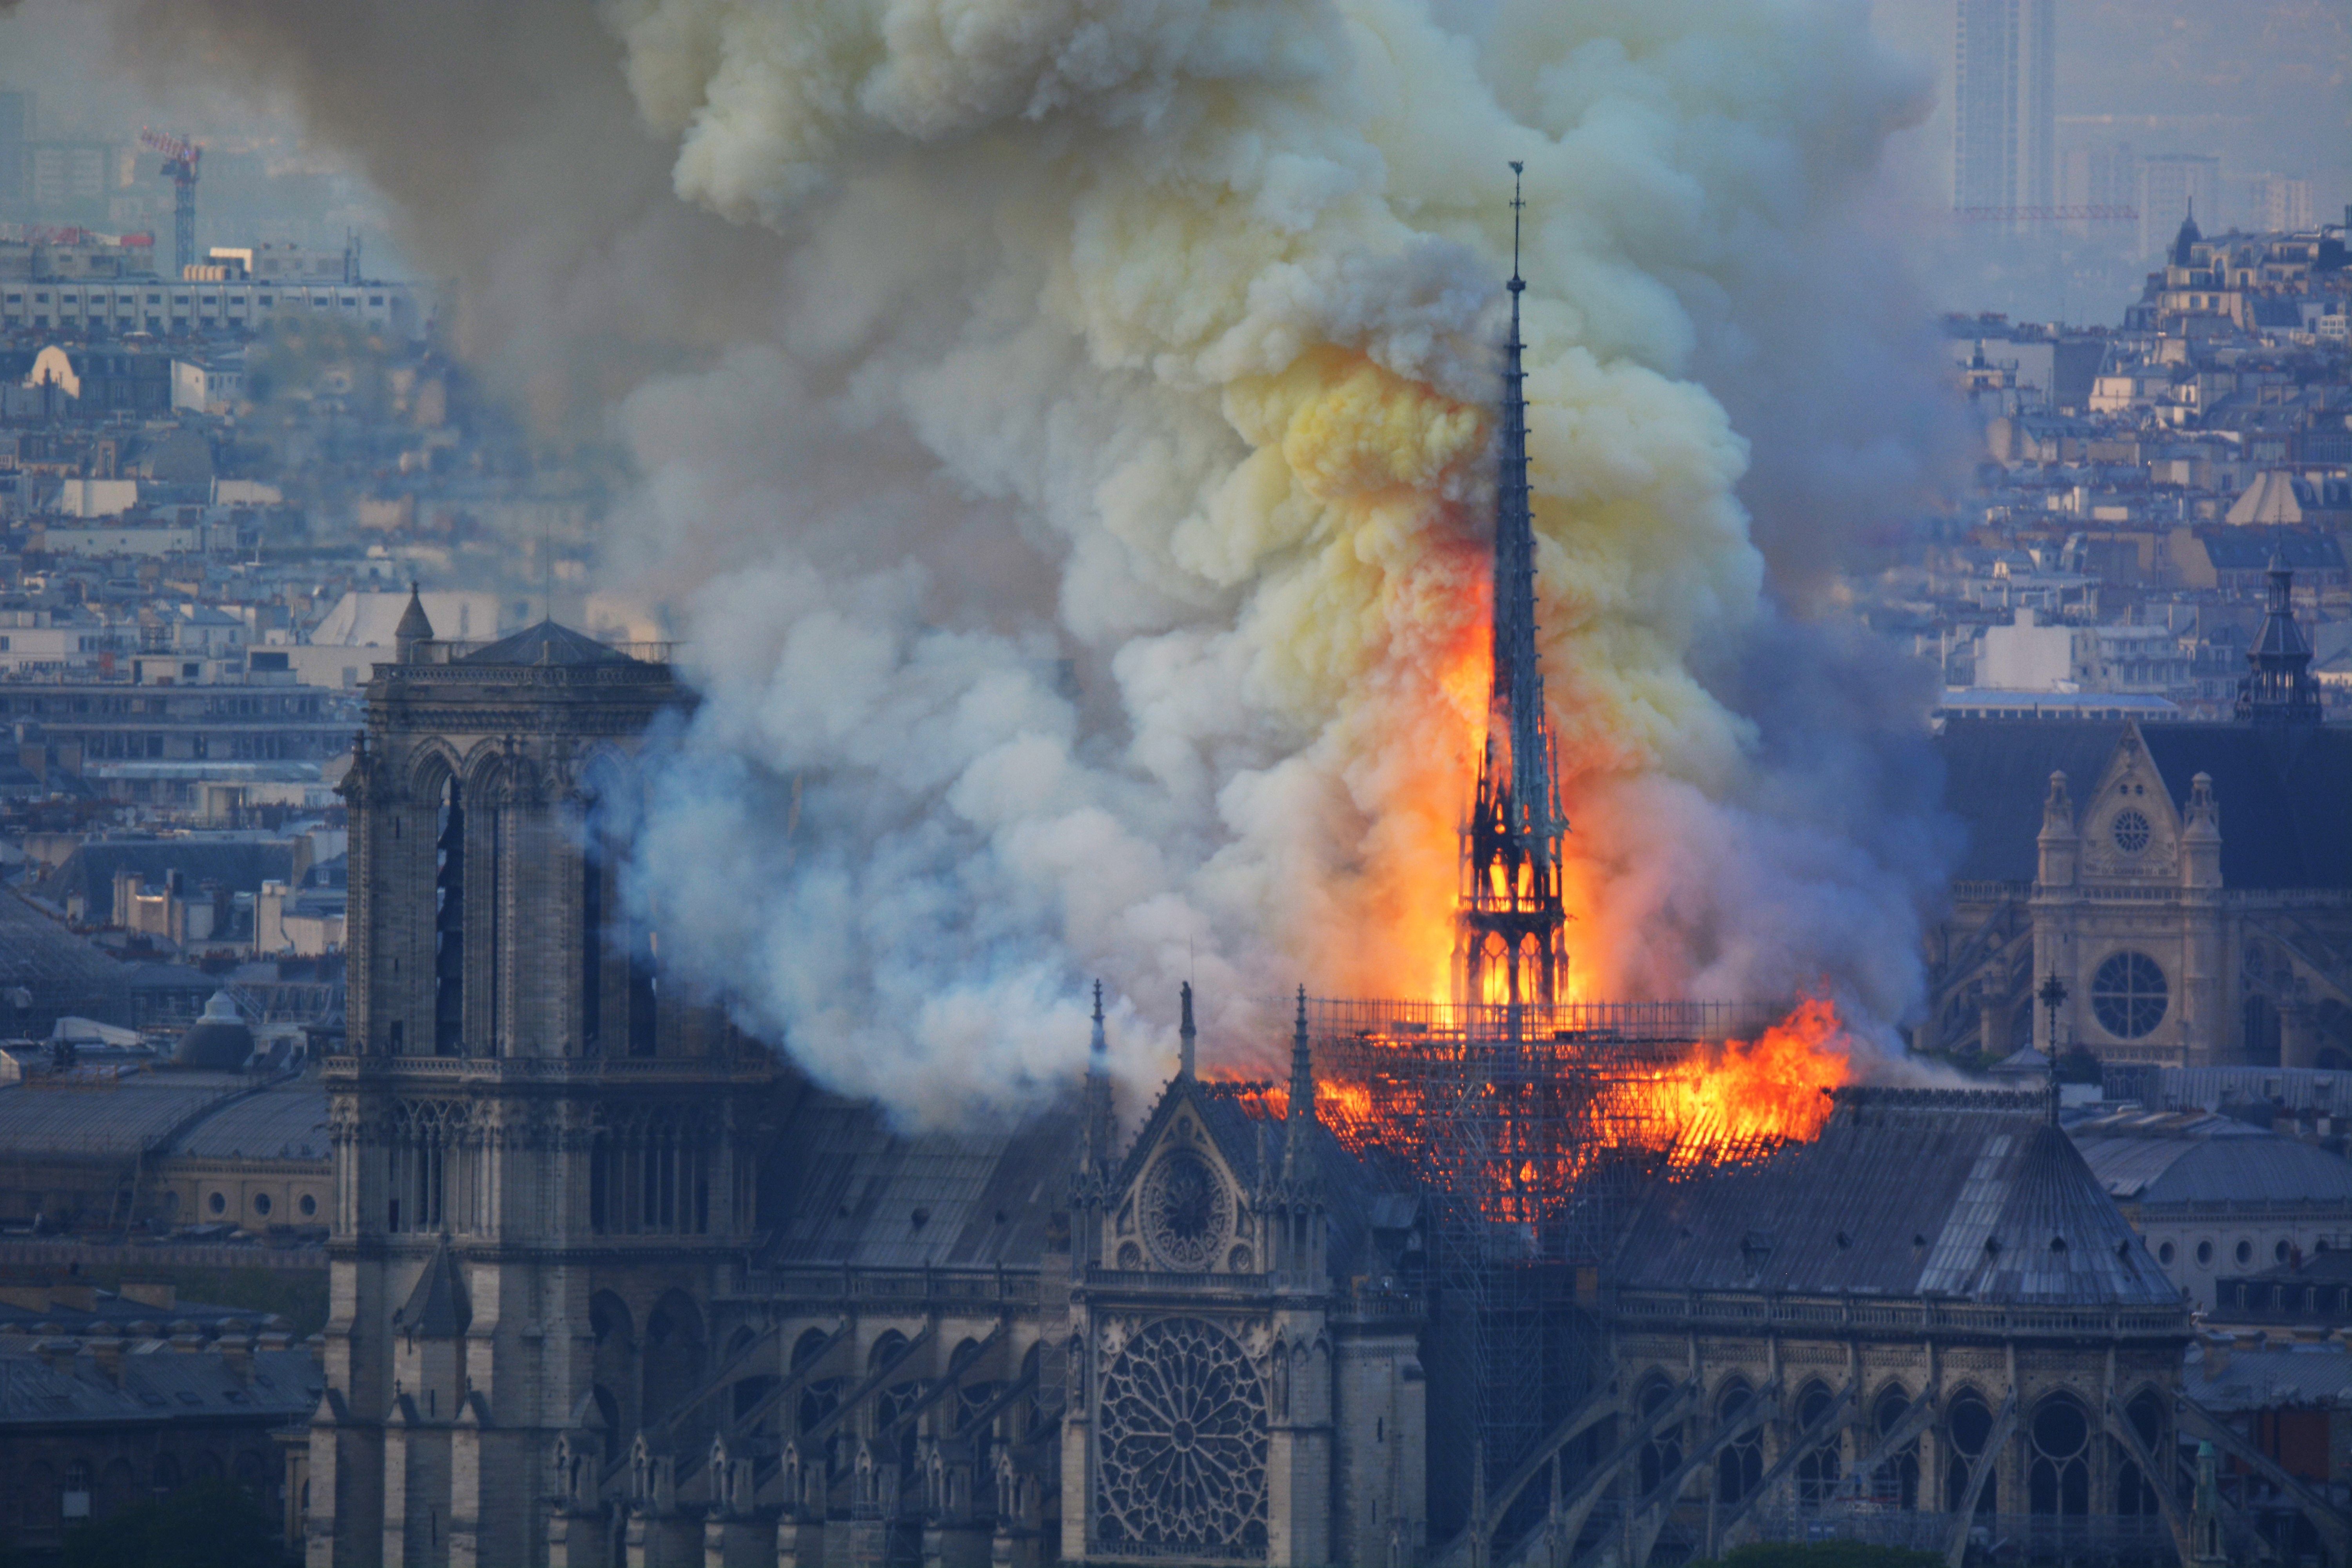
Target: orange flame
1743,1096
1726,1103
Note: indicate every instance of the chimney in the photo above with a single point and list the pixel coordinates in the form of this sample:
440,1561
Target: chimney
107,1354
57,1354
2217,1355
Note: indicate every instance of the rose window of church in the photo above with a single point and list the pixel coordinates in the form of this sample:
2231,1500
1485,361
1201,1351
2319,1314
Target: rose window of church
1186,1211
2131,830
2128,995
1181,1445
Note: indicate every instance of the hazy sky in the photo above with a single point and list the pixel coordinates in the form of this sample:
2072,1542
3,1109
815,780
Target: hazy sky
2264,84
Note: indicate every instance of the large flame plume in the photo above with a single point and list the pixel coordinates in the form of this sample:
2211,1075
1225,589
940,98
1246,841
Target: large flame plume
1068,469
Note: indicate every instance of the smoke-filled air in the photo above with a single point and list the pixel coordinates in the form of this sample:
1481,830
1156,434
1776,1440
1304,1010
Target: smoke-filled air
1061,428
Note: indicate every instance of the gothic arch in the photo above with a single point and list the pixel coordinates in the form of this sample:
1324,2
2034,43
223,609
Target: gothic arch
432,764
1740,1466
806,1347
1661,1454
1818,1470
1968,1423
2058,1463
1896,1481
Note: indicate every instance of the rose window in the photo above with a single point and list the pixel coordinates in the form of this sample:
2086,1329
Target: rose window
2131,830
1186,1211
1181,1445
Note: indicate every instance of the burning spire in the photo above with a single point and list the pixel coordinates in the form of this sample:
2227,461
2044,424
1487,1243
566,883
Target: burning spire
1509,949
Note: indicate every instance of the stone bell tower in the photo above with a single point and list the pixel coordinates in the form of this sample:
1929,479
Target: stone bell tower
542,1156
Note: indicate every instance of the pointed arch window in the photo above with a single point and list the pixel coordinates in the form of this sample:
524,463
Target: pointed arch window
450,923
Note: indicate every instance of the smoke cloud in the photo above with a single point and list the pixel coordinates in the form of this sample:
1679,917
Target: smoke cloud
1062,429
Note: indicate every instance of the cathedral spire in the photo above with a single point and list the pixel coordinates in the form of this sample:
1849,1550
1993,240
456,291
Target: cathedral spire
1095,1133
1508,950
1299,1121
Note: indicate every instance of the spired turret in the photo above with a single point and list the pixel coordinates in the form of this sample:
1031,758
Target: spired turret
2278,688
1508,947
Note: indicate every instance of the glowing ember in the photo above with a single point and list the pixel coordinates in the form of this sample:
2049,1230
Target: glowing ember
1742,1096
1723,1104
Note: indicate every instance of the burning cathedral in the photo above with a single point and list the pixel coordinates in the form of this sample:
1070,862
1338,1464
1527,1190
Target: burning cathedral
1509,1277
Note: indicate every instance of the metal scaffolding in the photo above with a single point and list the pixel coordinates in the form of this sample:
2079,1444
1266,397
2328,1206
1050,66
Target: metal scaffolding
1531,1130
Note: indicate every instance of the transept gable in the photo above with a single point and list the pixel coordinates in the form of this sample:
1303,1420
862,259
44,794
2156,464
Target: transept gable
1183,1199
2131,829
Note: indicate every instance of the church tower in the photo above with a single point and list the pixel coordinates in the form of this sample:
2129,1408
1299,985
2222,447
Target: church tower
1509,949
2278,688
542,1155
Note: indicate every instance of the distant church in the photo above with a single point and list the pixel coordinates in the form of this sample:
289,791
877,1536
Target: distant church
2189,885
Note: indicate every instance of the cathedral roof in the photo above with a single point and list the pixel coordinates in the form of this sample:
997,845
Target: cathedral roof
852,1191
2280,791
1974,1195
546,643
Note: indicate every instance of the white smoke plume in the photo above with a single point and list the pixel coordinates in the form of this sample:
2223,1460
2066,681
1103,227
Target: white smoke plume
1069,474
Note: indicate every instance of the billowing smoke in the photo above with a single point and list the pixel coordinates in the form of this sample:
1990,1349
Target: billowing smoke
1081,533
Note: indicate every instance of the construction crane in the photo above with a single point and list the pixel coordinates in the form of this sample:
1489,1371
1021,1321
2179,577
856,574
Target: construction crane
181,157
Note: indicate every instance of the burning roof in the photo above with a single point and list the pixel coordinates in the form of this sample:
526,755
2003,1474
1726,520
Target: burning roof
1976,1195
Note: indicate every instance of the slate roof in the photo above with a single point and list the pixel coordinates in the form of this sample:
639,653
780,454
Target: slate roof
851,1191
159,1384
115,1122
438,1308
284,1121
547,643
2250,547
64,973
111,1313
2260,1168
2259,1380
1907,1193
2280,788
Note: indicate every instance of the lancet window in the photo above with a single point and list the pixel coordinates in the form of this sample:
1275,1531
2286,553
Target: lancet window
436,1170
649,1172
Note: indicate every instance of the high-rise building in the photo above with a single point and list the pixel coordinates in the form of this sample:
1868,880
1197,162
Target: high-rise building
16,150
2278,203
2004,99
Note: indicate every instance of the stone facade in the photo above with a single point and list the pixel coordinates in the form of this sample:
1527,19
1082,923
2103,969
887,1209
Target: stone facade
2189,885
542,1161
1982,1344
613,1286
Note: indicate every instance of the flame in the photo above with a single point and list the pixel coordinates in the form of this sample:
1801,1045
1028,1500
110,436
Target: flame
1724,1103
1745,1095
